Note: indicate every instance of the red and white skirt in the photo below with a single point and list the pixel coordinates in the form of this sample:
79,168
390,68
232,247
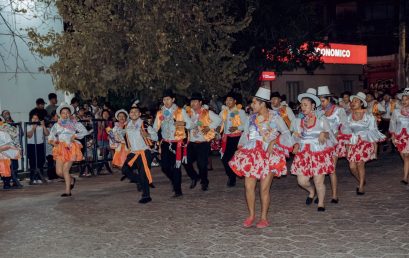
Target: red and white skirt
402,141
361,151
341,148
258,163
309,163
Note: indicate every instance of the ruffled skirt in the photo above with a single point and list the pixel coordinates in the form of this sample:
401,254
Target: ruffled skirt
309,163
402,141
362,151
5,170
120,156
258,163
341,148
68,152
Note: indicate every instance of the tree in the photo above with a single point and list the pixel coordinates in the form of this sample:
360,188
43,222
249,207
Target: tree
141,46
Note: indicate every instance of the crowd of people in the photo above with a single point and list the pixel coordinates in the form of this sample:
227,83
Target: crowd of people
255,142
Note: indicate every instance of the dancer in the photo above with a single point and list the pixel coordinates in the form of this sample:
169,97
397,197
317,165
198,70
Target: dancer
399,129
138,137
365,136
314,148
173,121
204,123
233,120
284,111
337,120
261,154
118,143
66,149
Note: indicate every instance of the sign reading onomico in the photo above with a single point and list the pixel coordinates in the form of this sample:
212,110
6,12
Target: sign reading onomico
343,53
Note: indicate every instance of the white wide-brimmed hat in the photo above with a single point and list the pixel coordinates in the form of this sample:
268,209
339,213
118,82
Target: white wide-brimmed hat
323,91
361,96
121,111
405,92
263,94
312,94
62,106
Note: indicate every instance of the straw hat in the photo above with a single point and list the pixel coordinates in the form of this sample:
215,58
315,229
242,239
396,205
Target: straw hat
323,91
263,94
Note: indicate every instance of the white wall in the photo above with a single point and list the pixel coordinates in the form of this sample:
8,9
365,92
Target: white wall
18,91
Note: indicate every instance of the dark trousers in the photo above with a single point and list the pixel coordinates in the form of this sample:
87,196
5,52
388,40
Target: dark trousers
140,175
231,147
36,160
14,172
198,152
168,163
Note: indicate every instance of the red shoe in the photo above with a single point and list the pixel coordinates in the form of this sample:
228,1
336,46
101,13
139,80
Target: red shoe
248,222
262,224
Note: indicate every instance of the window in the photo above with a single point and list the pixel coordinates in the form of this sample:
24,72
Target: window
293,90
348,85
379,11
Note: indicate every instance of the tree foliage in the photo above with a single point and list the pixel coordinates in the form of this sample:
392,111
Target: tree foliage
133,46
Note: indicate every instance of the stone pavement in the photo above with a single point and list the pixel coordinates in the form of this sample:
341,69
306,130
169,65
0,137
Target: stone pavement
103,219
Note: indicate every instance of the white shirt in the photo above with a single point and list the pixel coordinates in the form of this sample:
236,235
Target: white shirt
228,123
195,133
134,136
39,134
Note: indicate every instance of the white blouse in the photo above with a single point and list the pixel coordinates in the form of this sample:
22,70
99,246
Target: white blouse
366,129
63,133
338,121
309,136
398,122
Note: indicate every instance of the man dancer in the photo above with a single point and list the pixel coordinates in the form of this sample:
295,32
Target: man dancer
138,138
172,121
204,123
283,110
233,120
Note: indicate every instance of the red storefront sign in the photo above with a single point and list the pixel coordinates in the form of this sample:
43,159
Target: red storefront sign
267,76
333,53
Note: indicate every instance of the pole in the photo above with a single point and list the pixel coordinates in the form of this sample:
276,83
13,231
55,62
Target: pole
402,44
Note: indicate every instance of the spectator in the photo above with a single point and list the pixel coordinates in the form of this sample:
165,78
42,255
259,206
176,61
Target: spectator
51,173
95,109
35,149
39,110
103,141
75,103
52,98
7,116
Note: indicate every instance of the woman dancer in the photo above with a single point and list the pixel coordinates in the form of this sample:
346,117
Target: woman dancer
398,128
337,120
66,149
314,148
121,151
261,154
365,136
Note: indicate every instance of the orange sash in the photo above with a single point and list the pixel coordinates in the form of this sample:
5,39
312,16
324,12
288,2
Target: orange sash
178,116
375,112
144,161
284,116
203,121
236,121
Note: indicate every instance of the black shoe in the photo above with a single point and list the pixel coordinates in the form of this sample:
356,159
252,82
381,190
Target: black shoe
17,186
145,200
358,192
321,209
66,195
152,185
73,184
334,200
309,200
123,178
205,187
31,182
193,183
404,182
177,195
316,201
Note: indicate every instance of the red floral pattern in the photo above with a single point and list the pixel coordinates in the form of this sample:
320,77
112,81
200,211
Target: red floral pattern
402,141
341,148
311,164
362,151
257,163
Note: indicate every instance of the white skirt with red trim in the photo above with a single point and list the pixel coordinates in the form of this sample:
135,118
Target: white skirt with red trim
309,163
258,163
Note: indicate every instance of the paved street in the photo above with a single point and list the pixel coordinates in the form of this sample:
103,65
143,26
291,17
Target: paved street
104,219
